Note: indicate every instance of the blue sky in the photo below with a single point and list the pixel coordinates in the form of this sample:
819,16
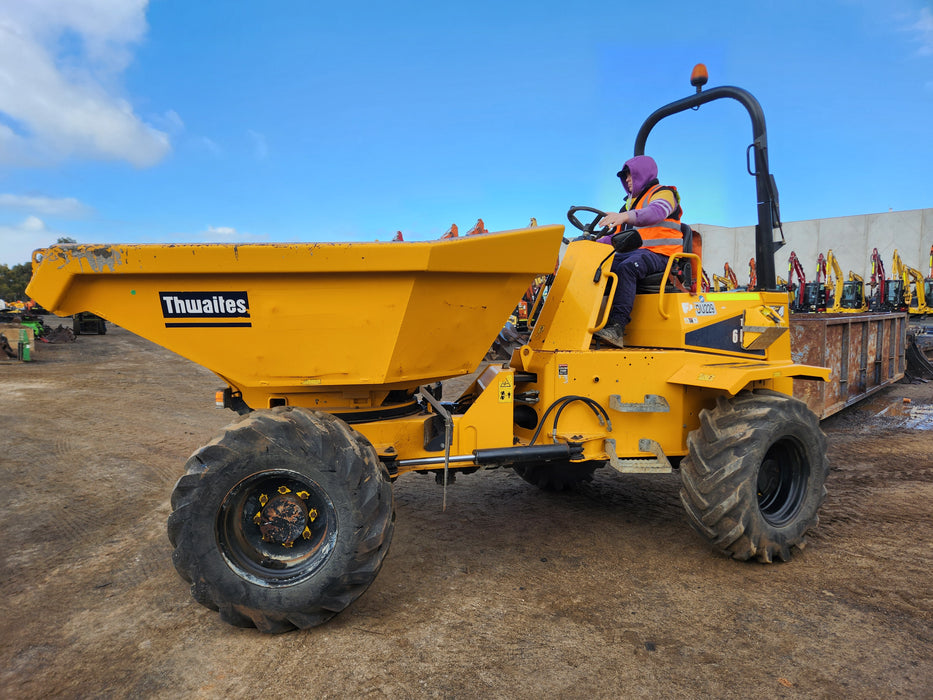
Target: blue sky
126,121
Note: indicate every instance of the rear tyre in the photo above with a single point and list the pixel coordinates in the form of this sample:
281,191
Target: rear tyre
755,474
557,476
282,520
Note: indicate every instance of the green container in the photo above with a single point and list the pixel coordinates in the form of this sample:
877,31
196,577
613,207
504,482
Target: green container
25,349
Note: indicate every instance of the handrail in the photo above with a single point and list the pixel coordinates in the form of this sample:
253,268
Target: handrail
667,271
614,278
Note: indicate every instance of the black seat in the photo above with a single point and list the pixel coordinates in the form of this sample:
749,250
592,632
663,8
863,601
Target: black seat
681,269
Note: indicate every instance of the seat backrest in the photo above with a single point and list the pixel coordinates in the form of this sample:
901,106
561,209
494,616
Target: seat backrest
683,269
687,234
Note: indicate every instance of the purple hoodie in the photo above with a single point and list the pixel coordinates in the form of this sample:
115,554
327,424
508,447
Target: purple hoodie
644,173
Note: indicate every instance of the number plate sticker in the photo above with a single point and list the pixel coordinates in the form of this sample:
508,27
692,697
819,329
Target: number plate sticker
705,308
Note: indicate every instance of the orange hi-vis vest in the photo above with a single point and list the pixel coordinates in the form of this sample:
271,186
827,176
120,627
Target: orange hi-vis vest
664,237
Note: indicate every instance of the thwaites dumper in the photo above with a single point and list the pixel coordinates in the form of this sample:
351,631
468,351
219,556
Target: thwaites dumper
284,518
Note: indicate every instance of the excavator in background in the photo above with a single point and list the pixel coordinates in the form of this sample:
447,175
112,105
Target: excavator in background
785,287
452,232
878,283
815,293
928,281
478,228
848,296
753,275
853,294
727,282
731,276
896,289
796,289
915,289
721,284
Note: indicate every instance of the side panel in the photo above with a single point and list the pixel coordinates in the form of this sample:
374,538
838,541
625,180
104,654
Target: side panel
619,381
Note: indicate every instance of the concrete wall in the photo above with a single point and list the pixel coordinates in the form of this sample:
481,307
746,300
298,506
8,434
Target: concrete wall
851,239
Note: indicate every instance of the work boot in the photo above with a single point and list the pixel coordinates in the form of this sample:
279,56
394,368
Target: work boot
611,334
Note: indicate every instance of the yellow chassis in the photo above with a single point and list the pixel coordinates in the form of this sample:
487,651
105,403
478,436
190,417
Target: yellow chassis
349,328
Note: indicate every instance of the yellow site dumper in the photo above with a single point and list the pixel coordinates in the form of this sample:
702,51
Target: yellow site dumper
334,354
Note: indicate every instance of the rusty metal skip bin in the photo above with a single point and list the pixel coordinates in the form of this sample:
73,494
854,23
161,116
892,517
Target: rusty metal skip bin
865,353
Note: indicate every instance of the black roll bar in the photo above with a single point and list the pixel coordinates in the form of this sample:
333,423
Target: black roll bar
768,211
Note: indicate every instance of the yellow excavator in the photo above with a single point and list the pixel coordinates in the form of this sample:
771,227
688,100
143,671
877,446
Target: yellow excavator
726,282
897,289
916,291
848,295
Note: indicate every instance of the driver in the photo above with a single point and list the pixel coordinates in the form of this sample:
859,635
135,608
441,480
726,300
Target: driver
654,210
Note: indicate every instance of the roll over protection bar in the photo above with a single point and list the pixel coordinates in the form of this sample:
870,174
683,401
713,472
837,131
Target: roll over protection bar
769,216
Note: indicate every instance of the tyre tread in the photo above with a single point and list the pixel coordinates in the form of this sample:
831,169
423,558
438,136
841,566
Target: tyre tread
335,448
719,474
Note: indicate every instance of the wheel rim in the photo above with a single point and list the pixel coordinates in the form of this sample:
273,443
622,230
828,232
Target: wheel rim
782,482
276,528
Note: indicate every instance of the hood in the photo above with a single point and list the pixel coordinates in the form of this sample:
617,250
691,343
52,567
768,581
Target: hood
644,170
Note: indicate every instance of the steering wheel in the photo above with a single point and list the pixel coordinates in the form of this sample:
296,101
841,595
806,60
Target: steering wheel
589,229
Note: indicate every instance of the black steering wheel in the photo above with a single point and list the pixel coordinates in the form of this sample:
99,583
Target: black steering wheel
589,229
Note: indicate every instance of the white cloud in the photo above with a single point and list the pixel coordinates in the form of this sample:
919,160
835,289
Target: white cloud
170,122
49,206
19,240
32,224
61,103
228,234
922,28
208,145
221,230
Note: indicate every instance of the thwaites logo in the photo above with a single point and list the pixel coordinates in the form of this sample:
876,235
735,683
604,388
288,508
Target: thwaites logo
205,309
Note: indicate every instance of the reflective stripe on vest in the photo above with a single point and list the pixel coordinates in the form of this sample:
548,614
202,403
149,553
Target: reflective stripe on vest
657,237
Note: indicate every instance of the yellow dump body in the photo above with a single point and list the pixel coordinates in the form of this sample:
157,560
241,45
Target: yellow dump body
326,324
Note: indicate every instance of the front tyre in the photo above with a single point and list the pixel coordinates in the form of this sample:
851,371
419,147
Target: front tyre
282,520
755,474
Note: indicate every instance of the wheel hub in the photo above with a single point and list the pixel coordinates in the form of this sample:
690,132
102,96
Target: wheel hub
275,528
283,519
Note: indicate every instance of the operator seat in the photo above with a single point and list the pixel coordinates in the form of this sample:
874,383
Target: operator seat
682,268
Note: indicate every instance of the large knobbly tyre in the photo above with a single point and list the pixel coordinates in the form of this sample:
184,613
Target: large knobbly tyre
755,475
282,520
557,476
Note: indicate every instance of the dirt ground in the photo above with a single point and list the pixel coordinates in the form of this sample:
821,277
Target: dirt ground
510,593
